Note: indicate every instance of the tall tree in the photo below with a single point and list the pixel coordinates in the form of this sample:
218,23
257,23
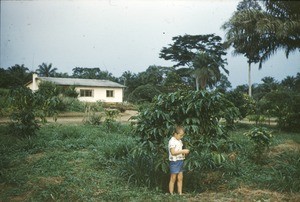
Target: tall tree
92,73
246,4
18,75
153,75
223,84
276,27
241,33
174,80
281,20
206,69
4,78
185,48
289,82
46,70
86,73
62,75
129,80
268,85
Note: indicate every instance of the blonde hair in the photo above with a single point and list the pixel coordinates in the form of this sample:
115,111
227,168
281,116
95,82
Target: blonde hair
179,129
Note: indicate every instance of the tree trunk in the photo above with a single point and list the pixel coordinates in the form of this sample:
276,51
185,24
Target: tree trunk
249,80
203,84
197,83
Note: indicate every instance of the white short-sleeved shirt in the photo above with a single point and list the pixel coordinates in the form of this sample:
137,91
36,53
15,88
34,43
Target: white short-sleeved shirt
177,145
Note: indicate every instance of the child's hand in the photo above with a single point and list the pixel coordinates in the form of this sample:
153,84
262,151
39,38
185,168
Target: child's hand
185,151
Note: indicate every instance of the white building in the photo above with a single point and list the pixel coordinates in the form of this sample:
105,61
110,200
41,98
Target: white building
89,90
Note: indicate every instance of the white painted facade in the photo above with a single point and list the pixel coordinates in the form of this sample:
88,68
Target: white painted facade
99,94
89,90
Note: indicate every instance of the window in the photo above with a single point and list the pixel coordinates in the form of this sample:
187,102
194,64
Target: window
109,93
86,93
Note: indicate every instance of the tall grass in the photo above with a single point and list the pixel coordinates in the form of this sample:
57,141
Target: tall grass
66,163
276,172
83,163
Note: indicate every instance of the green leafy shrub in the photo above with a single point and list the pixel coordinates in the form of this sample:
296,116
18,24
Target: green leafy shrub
200,112
23,104
110,119
144,93
26,107
242,101
257,118
70,92
122,107
285,106
4,93
91,113
48,89
261,137
94,119
72,105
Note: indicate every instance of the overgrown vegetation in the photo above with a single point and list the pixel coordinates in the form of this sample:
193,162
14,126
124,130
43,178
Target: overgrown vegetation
105,160
261,139
25,107
200,112
84,162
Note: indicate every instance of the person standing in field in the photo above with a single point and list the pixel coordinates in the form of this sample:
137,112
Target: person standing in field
176,157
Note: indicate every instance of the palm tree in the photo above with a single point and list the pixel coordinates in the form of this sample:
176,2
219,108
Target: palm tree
241,33
259,34
289,82
18,75
269,84
206,70
282,20
46,70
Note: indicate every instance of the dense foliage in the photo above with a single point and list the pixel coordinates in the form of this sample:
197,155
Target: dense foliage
201,113
261,139
144,93
82,163
14,76
202,54
25,107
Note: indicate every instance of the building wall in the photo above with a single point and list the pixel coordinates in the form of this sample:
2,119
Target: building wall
33,85
99,94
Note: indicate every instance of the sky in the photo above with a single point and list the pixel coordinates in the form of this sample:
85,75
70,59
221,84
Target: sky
119,35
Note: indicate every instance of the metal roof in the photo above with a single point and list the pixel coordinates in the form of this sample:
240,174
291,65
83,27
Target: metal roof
82,82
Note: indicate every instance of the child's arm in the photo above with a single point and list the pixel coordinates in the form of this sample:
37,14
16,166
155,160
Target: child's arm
175,153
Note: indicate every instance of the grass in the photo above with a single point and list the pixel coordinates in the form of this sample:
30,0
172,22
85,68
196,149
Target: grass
81,163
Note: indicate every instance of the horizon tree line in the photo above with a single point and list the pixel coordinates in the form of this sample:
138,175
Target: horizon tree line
199,59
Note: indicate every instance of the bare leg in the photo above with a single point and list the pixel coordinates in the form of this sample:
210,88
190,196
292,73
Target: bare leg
179,182
172,182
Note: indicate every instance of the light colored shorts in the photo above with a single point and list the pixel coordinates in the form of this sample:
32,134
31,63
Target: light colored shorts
176,166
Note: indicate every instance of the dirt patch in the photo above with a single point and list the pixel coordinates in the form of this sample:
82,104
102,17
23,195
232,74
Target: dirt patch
4,188
34,157
288,145
249,194
77,118
99,192
22,197
244,194
127,115
50,180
